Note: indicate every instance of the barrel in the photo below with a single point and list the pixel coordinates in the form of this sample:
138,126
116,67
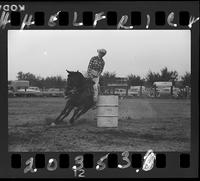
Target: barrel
107,111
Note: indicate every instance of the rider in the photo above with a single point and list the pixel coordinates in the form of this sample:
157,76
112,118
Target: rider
95,68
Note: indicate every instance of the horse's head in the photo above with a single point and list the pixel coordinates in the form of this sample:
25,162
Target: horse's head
75,79
77,84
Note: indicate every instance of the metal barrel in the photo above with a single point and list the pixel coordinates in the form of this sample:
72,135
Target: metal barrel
107,111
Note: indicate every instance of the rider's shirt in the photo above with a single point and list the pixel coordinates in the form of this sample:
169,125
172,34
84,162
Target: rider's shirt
95,67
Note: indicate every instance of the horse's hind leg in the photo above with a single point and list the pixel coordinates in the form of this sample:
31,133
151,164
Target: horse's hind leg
81,112
67,113
76,112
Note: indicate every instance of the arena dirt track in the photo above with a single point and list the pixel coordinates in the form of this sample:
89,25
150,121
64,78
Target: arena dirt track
158,124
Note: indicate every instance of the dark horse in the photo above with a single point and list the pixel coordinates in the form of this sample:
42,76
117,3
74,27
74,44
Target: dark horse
79,93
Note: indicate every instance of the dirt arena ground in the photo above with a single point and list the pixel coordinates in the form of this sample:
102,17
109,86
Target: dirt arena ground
158,124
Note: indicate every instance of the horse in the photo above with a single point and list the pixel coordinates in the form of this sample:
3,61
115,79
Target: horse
79,93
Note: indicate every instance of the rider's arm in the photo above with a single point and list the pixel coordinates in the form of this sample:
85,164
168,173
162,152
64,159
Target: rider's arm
101,69
90,66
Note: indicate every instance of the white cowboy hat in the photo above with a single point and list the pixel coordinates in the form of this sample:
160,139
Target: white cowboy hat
102,51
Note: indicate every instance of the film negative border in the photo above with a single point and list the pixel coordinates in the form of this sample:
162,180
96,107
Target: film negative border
133,15
91,19
112,160
114,16
80,165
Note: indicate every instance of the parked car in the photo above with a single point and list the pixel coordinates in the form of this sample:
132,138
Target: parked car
120,92
20,92
53,92
31,91
135,90
176,92
11,93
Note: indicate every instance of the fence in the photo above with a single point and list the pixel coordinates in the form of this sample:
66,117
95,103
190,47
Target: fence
145,92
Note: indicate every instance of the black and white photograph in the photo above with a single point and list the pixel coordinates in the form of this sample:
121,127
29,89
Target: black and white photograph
99,90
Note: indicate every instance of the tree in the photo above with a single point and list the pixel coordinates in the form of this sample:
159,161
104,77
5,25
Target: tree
20,76
107,77
54,82
164,75
152,77
27,76
48,82
167,75
135,80
186,78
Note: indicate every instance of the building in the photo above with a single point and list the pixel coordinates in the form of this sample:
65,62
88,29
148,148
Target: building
119,86
163,89
19,84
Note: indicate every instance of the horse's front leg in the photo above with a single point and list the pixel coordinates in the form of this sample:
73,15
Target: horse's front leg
67,113
58,119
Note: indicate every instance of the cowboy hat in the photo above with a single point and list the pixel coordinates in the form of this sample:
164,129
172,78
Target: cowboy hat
102,51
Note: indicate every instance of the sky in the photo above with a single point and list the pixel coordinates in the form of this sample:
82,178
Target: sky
50,52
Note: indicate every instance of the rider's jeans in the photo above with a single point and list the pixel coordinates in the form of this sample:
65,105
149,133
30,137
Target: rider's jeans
95,86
